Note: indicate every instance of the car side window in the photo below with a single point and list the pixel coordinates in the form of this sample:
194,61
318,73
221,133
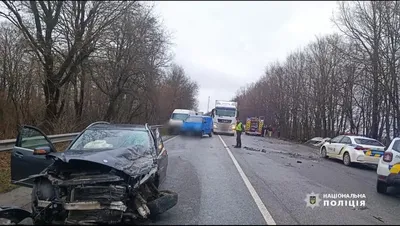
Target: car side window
31,138
396,146
336,139
346,140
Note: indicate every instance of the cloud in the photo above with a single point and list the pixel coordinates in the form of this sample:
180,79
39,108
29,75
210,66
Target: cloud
225,45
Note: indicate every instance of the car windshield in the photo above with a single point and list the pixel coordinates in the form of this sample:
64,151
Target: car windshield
95,139
194,119
228,112
179,116
368,142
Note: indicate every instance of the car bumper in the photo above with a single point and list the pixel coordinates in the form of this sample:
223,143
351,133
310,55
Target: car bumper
392,179
361,158
389,174
220,131
224,129
190,132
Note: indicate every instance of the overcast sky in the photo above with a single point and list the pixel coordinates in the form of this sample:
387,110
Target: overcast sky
225,45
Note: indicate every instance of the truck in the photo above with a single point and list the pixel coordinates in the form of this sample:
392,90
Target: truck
224,117
254,126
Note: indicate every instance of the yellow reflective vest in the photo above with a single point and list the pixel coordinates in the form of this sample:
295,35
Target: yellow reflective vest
239,127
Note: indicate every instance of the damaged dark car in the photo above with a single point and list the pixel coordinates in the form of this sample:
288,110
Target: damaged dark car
110,174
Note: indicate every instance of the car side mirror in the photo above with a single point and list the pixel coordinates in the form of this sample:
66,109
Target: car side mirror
42,150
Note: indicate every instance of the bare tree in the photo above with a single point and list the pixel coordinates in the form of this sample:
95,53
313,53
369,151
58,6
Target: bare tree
84,21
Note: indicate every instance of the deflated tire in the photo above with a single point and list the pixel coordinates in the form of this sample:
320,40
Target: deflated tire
166,201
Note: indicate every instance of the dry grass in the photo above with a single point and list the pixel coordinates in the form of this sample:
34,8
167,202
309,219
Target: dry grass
5,172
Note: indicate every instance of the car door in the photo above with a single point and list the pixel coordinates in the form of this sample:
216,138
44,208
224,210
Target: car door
395,149
162,156
333,144
339,148
23,162
206,126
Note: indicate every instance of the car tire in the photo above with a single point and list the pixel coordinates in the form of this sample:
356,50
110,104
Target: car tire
346,159
167,200
381,187
210,134
323,153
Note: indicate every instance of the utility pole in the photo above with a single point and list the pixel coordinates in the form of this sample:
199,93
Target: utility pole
208,104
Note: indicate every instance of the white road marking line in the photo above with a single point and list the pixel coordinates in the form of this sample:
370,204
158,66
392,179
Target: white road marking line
170,139
265,213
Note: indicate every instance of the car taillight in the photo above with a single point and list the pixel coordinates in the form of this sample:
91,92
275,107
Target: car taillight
359,148
387,157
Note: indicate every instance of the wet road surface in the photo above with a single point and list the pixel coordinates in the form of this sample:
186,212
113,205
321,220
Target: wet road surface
211,190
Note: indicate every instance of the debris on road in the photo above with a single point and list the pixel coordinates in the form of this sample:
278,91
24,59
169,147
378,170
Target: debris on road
298,161
379,219
291,154
289,164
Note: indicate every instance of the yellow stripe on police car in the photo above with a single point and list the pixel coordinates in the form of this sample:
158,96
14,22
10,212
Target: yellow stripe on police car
395,169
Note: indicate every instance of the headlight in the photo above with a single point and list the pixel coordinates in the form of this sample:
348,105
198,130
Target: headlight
215,126
233,126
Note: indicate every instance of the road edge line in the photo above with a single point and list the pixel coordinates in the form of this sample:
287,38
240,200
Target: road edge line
261,207
169,139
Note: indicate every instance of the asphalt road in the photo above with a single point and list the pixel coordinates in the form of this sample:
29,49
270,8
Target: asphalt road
211,190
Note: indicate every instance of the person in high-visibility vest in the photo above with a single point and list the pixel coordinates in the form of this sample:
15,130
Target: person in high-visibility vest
239,129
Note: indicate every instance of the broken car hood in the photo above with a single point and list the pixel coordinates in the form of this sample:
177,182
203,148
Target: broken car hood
132,160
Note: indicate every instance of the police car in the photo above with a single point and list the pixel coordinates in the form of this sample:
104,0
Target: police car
389,167
353,149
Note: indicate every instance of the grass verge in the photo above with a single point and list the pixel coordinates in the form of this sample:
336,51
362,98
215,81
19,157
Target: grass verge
5,173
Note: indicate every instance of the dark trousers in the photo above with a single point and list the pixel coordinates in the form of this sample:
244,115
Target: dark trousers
238,139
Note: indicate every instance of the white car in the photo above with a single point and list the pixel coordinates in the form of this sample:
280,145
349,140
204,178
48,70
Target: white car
353,149
389,167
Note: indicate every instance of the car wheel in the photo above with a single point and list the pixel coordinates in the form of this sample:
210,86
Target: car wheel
381,187
210,134
346,159
166,201
323,153
42,189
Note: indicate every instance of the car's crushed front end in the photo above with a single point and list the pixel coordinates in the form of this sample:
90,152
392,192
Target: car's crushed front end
107,187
